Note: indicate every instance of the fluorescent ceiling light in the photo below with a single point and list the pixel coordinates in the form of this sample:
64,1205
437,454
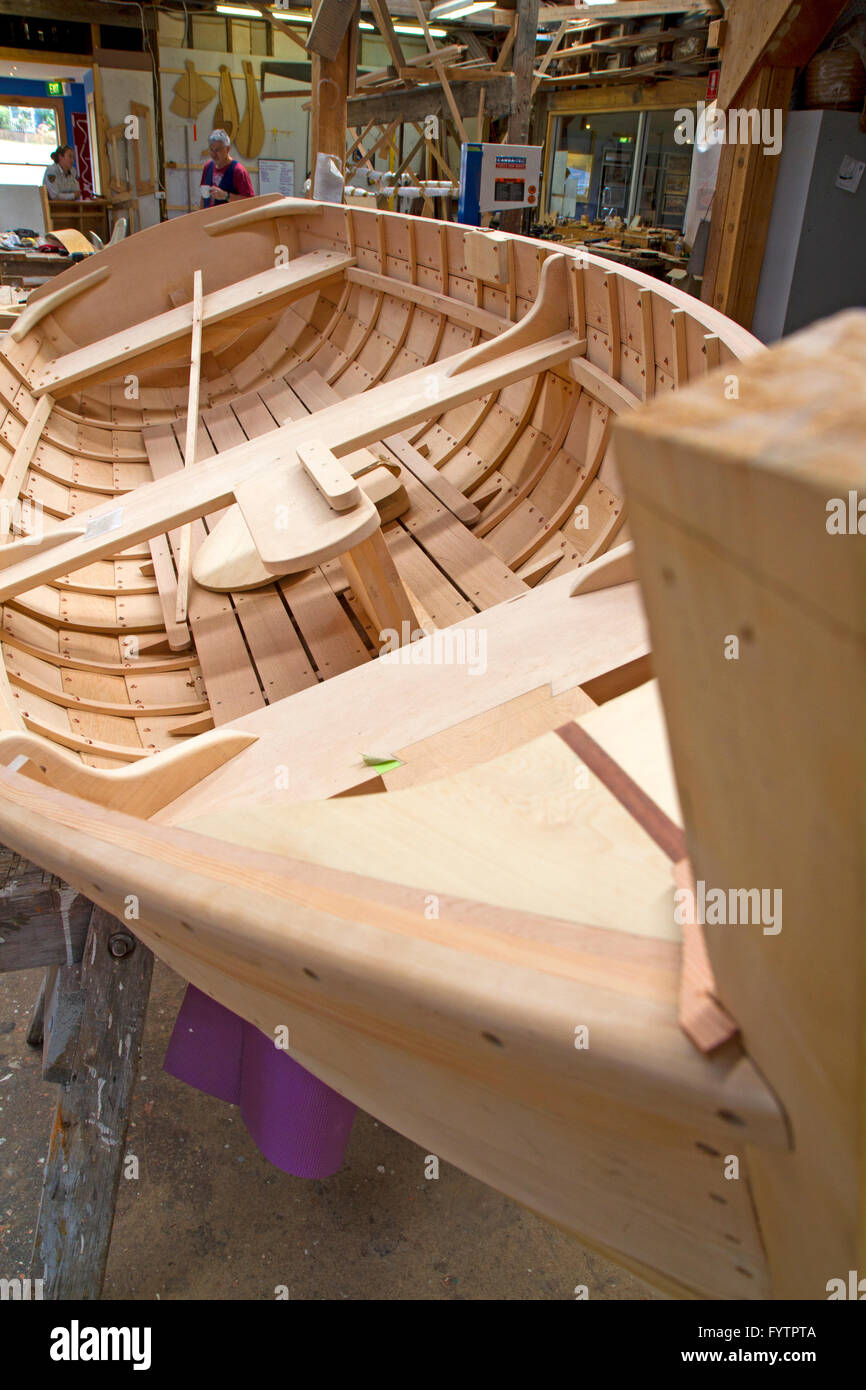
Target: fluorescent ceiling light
244,11
300,17
456,9
417,33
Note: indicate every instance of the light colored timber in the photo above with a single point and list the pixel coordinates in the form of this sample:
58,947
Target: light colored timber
176,632
745,522
45,303
292,522
183,572
430,299
389,407
279,207
496,398
295,279
335,483
449,495
618,566
541,638
496,988
141,789
548,315
20,462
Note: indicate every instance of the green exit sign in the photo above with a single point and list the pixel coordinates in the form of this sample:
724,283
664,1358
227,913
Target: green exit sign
55,89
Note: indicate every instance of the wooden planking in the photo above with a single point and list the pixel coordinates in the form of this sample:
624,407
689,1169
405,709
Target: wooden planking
16,469
297,278
388,407
315,392
282,661
229,675
327,630
430,1009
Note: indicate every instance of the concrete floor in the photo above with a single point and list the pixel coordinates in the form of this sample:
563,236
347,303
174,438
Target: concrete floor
210,1218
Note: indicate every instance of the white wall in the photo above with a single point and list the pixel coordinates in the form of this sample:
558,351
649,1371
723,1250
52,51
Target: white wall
120,86
286,125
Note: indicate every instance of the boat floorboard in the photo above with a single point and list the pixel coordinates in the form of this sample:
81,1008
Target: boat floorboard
261,646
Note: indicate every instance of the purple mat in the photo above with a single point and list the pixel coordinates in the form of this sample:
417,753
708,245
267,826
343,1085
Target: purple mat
298,1122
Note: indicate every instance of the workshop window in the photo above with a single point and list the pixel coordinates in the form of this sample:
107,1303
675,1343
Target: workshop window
619,164
29,133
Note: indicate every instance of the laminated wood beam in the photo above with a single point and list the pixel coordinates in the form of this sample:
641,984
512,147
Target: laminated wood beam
295,279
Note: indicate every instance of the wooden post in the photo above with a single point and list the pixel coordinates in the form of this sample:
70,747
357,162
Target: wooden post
330,86
753,573
521,110
88,1140
765,45
742,206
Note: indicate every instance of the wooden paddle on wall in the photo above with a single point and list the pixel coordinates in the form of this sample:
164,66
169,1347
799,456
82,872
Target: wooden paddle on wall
251,134
191,94
226,116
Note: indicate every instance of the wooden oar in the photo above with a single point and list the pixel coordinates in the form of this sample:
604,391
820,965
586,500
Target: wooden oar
189,445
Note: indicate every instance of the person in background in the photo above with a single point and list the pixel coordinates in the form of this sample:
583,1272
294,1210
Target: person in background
60,178
223,179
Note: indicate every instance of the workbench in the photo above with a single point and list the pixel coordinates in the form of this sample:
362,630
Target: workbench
30,267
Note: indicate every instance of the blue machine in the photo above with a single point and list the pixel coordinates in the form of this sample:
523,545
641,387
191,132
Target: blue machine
494,178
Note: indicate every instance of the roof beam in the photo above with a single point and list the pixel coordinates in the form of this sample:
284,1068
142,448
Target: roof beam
418,102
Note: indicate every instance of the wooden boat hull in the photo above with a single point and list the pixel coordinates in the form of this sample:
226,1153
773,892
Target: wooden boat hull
492,382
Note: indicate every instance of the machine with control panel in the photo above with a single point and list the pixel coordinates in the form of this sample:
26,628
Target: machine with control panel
494,178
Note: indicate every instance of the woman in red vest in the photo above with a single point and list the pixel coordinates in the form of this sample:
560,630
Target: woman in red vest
223,179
